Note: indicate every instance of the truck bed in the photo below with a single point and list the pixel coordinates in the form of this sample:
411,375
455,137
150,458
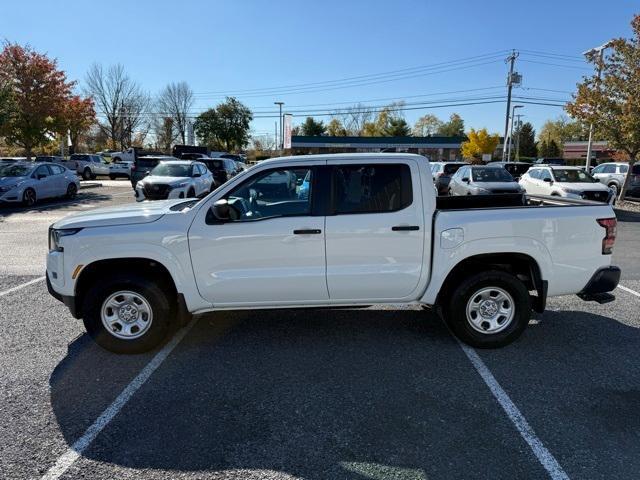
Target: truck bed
506,200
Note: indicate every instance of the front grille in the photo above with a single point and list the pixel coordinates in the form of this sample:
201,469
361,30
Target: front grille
156,191
504,191
596,196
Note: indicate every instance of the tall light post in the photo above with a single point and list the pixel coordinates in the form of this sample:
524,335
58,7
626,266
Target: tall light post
596,54
513,111
280,104
519,124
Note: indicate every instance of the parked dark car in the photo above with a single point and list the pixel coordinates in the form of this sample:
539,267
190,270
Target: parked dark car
222,169
442,173
516,169
634,182
141,166
482,180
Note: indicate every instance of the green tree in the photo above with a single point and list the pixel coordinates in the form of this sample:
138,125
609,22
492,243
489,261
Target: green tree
39,92
397,127
225,127
525,138
612,103
453,128
426,126
313,128
336,129
388,122
549,149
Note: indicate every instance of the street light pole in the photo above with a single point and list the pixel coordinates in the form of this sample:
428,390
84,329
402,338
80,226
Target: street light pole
280,104
590,54
513,111
518,138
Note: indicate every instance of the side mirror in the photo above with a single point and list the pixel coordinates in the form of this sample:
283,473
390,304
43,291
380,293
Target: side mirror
598,180
220,210
196,175
465,179
547,179
41,176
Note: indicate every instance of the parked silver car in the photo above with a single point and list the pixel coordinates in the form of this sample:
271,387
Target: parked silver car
611,174
89,165
480,180
28,182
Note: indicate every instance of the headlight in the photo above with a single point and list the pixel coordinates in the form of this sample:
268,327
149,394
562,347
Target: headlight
180,185
56,234
572,191
6,188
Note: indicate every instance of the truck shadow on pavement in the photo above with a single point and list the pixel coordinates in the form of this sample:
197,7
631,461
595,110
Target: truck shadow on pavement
357,394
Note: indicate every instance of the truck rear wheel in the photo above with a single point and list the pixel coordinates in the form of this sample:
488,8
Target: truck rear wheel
489,309
86,174
127,314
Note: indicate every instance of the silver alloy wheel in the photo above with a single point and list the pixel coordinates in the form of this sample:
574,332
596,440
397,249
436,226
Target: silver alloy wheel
614,188
126,315
490,310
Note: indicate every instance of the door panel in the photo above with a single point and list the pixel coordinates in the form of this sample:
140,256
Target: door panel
366,257
256,259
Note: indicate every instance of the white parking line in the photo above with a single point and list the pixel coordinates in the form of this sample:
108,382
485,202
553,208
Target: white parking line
546,459
628,290
67,459
21,286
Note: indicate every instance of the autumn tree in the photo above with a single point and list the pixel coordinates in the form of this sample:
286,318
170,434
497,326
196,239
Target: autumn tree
612,103
479,142
175,101
224,127
427,126
336,129
354,118
38,92
389,122
7,105
79,117
453,128
562,130
312,128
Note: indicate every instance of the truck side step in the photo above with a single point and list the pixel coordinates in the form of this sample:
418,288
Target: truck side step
597,297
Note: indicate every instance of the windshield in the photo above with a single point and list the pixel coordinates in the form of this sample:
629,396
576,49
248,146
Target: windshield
172,170
517,169
572,176
15,170
491,174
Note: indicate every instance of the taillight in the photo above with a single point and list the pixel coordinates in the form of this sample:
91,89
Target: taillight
610,226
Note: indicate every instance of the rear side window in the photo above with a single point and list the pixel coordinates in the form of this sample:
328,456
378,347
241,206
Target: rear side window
56,169
624,168
146,162
450,169
374,188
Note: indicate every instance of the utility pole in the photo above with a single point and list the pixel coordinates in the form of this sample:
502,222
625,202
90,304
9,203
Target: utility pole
519,125
591,55
511,79
275,135
280,104
513,111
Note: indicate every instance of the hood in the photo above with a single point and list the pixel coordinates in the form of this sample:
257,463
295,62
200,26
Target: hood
4,181
515,186
583,187
165,180
132,213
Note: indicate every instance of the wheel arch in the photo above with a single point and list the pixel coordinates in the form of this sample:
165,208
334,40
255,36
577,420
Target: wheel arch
521,265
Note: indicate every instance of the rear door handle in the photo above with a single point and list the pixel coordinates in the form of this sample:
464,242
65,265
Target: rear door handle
311,231
405,228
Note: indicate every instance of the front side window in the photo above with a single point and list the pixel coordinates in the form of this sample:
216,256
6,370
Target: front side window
609,169
372,188
545,174
42,171
572,176
275,193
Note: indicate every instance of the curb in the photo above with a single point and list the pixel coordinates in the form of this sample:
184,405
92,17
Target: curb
84,185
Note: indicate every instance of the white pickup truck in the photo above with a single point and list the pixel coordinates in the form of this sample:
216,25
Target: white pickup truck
356,230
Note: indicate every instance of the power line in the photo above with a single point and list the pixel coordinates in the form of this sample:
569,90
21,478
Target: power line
552,54
557,64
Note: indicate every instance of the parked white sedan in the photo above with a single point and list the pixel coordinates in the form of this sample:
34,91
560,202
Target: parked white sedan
567,182
28,182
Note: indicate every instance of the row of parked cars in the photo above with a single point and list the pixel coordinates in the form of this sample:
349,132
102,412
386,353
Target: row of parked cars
602,184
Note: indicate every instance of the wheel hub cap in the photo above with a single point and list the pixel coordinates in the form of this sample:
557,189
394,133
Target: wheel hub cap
490,310
126,315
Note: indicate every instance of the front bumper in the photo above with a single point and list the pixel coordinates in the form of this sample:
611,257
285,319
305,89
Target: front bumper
174,193
602,282
10,196
68,300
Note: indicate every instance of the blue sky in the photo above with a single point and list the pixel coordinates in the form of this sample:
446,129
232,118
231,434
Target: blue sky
230,47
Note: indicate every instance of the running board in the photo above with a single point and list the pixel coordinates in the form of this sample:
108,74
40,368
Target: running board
597,297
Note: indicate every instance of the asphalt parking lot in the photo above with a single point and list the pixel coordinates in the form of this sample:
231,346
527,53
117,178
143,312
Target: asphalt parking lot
373,393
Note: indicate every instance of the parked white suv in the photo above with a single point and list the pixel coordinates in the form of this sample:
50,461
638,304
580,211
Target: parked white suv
568,182
611,174
358,229
89,166
175,179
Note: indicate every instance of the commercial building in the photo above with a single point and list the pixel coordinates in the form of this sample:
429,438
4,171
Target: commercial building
435,148
576,152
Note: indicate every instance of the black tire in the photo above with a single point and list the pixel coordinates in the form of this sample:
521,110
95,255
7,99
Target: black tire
72,191
153,293
112,177
191,193
455,311
86,174
29,197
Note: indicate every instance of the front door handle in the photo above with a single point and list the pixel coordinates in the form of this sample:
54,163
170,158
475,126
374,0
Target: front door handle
310,231
405,228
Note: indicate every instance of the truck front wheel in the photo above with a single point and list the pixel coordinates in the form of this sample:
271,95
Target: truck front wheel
127,314
489,309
